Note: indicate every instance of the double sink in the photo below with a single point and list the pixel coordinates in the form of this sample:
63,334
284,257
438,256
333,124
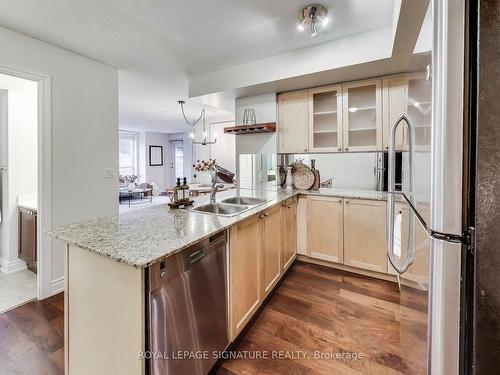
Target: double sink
230,206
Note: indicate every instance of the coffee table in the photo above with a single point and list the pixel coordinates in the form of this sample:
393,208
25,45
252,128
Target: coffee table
129,194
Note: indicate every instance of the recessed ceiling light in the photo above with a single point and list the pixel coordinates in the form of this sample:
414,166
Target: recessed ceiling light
314,15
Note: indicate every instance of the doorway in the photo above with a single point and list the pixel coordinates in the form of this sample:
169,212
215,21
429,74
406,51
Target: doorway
177,161
25,188
19,191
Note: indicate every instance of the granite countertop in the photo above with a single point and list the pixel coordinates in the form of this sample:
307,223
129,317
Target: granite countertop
142,237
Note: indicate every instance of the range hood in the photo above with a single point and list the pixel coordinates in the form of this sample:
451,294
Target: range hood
267,127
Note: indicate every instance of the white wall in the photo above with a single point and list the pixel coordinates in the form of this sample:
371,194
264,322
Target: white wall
21,176
84,117
156,174
265,111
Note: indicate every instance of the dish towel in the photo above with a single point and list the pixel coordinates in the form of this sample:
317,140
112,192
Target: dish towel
397,234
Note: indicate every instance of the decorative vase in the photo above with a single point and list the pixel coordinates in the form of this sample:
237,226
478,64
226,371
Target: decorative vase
289,178
317,179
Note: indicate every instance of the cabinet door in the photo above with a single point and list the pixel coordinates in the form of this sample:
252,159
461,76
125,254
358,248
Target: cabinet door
289,232
394,99
325,228
325,119
271,249
245,273
419,108
293,122
362,115
365,243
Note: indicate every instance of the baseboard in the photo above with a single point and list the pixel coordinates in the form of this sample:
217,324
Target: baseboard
57,286
10,266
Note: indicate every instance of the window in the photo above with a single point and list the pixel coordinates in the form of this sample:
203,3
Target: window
128,153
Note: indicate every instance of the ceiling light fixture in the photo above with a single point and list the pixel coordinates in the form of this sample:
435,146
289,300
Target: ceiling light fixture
313,16
204,141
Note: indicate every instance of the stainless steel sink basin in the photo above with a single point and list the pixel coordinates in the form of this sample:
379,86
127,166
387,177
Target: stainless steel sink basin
221,209
245,201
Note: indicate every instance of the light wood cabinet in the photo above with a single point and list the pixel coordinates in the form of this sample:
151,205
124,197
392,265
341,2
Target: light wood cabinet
325,222
293,122
419,108
271,248
289,232
365,234
394,103
362,115
245,272
325,119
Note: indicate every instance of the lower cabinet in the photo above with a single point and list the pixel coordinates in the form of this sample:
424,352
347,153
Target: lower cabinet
289,231
365,243
28,237
347,231
245,272
325,223
261,248
271,248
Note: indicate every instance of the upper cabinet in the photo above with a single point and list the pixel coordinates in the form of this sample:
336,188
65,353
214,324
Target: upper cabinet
293,122
354,116
362,115
418,102
394,91
325,119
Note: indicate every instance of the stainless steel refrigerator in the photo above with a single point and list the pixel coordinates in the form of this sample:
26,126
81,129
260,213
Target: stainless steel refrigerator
424,220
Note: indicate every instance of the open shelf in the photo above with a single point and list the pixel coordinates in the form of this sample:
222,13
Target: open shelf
267,127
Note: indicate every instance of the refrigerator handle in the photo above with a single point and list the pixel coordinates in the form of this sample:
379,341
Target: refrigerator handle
410,254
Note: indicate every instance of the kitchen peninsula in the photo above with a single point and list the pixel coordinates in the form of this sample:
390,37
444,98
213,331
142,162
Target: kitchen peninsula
111,261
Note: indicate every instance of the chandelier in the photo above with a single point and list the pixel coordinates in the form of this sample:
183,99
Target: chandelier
204,141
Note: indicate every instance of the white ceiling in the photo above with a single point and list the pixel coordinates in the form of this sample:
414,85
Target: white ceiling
159,44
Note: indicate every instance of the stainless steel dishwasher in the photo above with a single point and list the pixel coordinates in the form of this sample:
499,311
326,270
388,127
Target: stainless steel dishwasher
187,309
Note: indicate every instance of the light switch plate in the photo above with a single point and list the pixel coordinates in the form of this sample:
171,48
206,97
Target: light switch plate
109,173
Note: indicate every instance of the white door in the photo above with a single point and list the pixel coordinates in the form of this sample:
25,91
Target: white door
177,161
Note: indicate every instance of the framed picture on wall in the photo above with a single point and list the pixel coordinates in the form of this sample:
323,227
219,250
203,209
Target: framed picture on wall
155,156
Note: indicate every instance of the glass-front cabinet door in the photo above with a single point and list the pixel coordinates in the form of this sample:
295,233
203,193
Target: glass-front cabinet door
325,121
362,115
419,108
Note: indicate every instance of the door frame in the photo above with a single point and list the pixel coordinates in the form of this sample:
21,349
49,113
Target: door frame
45,285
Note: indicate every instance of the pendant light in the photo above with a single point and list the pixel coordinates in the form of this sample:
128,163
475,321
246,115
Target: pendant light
204,141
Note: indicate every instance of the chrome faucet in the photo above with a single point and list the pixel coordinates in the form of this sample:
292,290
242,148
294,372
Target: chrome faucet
214,188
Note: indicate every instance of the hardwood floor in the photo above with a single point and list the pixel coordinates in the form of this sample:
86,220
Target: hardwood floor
321,310
315,309
32,338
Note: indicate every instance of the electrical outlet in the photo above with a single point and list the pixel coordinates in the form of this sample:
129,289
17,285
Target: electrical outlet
109,173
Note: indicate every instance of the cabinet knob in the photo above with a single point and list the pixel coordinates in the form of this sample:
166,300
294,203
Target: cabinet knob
386,147
339,148
261,216
340,200
347,148
305,149
347,202
266,214
163,274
